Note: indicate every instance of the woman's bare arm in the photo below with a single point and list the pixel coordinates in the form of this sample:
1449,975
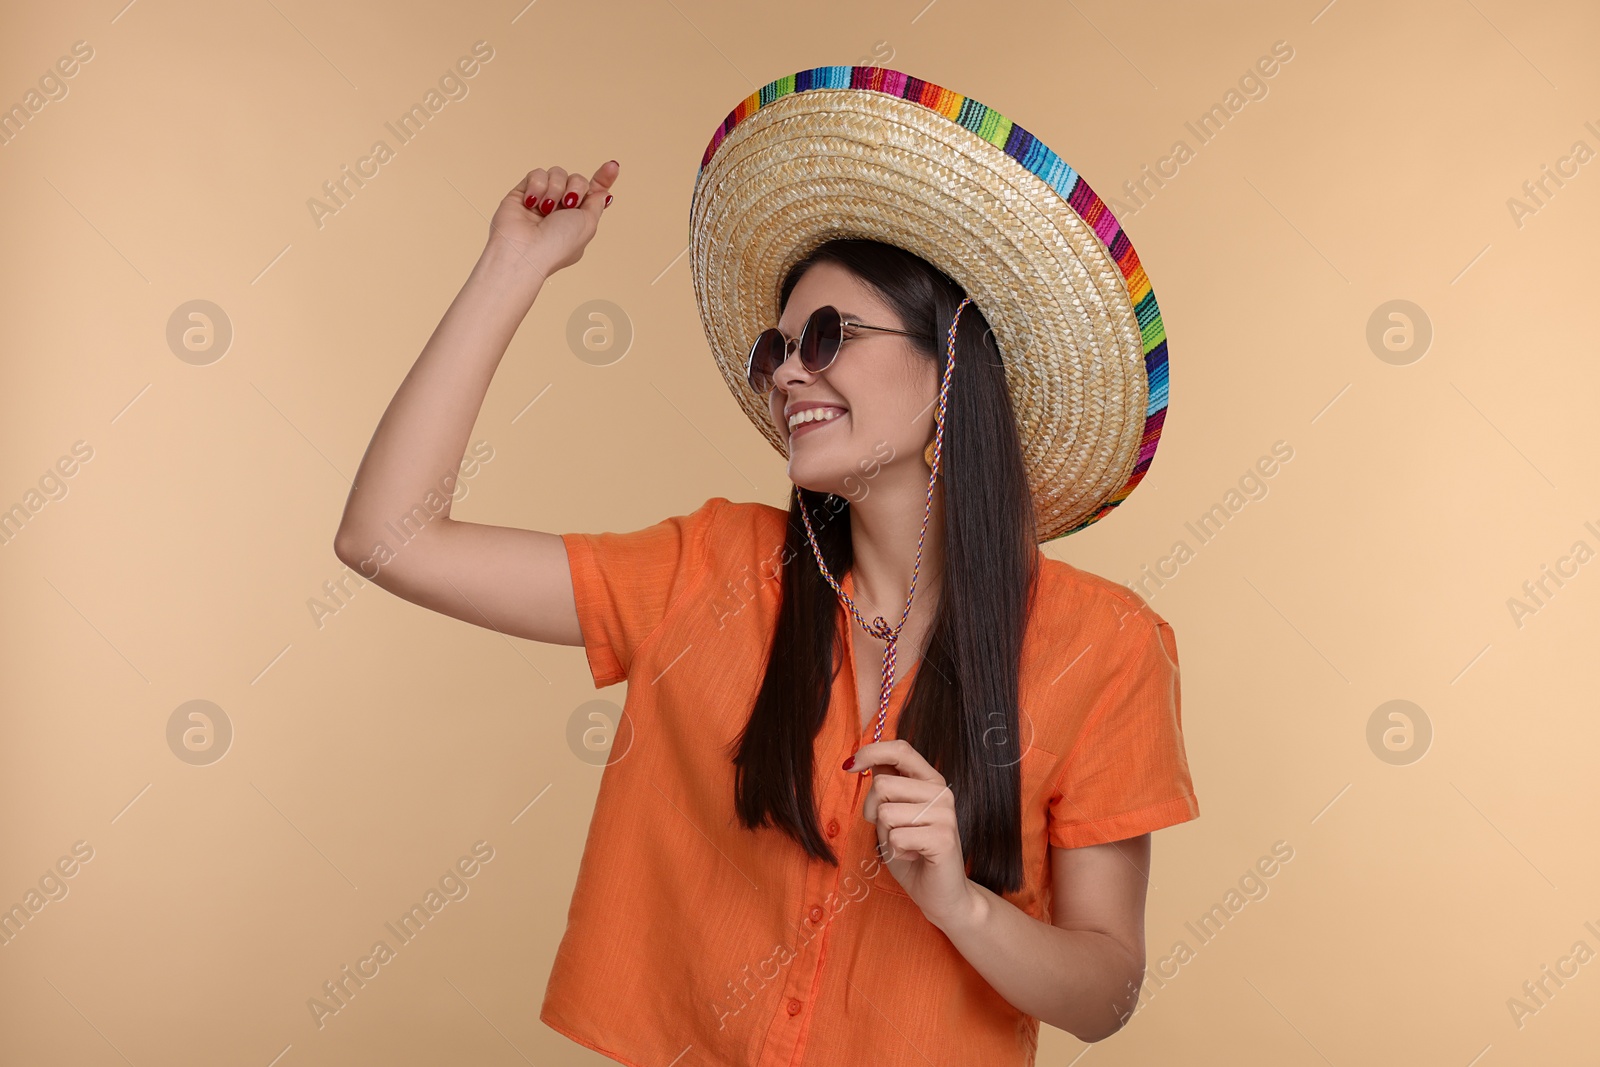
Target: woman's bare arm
511,580
1082,971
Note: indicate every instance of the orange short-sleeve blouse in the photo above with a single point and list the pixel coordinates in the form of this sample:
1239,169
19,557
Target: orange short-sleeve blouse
694,942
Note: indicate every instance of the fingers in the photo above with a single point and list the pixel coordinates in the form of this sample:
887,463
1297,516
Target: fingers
892,815
598,192
555,188
923,841
530,190
895,757
565,190
906,796
550,190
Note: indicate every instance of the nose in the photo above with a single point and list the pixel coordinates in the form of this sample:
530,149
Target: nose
791,371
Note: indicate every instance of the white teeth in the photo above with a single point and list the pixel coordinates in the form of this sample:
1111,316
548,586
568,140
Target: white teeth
813,415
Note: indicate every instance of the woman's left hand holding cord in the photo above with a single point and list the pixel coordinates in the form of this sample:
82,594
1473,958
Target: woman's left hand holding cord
918,837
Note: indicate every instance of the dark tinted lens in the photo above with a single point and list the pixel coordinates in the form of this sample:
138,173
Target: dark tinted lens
820,344
765,357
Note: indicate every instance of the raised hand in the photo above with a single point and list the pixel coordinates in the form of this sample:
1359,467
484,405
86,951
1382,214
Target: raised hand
551,216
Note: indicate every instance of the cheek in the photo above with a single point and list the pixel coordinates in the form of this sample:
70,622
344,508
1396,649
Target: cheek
904,417
908,408
885,431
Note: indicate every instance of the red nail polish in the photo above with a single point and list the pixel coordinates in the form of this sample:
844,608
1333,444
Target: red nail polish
528,203
608,201
570,200
849,763
547,207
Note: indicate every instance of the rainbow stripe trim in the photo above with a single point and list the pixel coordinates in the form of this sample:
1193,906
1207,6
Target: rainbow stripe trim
1029,151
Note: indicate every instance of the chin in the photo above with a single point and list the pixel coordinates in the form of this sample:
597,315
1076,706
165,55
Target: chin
821,474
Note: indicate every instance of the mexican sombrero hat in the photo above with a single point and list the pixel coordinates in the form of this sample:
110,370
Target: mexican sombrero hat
866,152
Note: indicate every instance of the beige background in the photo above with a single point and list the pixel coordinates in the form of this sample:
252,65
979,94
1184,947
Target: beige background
374,746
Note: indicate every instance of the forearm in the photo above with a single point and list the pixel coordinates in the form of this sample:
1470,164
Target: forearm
419,442
1081,981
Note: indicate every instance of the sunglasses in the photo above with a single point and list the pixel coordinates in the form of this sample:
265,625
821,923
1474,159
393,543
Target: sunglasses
819,343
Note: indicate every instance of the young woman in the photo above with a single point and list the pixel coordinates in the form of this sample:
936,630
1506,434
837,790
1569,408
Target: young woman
744,896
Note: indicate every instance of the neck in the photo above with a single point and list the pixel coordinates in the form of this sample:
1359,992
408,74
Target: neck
884,528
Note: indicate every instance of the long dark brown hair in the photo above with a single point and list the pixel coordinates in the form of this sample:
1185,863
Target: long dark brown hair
961,712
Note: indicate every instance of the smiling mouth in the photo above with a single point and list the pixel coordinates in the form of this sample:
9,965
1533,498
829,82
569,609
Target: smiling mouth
812,425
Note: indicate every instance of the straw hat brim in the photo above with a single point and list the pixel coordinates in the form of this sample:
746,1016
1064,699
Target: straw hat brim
866,152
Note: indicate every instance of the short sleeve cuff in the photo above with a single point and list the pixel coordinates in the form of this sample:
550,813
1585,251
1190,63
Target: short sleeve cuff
1129,824
604,666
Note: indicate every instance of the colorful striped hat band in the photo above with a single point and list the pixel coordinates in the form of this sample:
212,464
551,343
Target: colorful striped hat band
866,152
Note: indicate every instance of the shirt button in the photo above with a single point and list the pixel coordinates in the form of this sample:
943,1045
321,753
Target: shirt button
794,1006
833,827
816,913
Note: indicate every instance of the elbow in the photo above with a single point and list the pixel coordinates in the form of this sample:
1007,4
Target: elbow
1103,1026
347,547
1091,1034
1124,1004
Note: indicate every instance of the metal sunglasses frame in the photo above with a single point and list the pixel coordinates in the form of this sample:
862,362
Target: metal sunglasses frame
789,343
